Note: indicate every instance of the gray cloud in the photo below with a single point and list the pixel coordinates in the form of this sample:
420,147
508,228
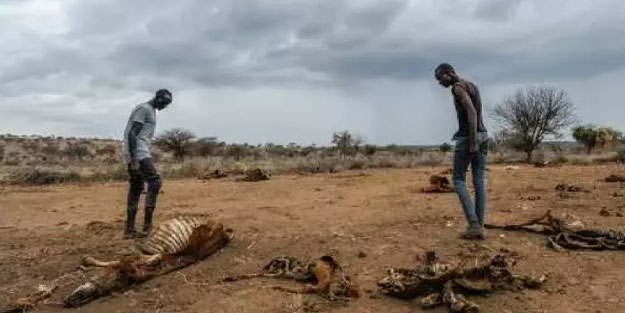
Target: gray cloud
98,54
496,11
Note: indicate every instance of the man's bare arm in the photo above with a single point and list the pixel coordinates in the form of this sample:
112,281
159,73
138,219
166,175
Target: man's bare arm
132,139
466,102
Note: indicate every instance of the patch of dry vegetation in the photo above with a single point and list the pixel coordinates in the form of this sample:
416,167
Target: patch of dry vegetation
54,160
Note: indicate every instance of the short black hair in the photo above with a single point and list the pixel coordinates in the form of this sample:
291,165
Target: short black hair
444,68
163,92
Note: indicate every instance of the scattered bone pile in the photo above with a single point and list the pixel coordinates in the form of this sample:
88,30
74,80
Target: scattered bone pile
436,283
614,178
560,236
175,244
323,276
438,184
29,302
569,188
254,175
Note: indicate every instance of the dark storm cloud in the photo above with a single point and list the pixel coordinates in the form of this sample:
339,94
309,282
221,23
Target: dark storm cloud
217,43
98,51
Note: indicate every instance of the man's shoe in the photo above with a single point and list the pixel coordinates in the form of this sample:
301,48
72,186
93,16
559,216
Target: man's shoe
474,232
129,235
144,233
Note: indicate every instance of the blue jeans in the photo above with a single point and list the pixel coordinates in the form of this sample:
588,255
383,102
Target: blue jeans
474,212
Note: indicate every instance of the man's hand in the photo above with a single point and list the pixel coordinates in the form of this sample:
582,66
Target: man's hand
134,165
473,149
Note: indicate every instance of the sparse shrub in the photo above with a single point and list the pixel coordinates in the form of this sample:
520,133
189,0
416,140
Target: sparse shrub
12,162
445,147
358,163
586,135
37,176
237,151
579,160
51,150
429,160
205,147
370,150
30,146
108,153
113,173
108,150
176,141
78,151
560,159
12,158
385,160
118,172
1,153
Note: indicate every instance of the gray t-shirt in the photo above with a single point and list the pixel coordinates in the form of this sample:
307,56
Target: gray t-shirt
145,114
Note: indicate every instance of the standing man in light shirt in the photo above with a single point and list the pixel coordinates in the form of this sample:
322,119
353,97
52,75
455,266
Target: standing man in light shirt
136,151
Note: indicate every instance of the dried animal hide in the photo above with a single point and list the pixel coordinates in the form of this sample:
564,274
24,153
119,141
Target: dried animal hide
438,184
254,175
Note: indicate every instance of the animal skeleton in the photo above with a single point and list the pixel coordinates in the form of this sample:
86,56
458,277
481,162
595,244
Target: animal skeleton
560,236
175,244
323,276
438,283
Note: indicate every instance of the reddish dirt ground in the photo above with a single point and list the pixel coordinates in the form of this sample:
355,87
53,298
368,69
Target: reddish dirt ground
45,231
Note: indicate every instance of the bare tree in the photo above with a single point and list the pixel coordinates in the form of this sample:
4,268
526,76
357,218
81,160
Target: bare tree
177,141
533,113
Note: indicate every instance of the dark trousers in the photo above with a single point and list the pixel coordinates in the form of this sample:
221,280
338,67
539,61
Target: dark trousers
138,178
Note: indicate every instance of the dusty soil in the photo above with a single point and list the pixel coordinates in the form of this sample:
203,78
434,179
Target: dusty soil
44,232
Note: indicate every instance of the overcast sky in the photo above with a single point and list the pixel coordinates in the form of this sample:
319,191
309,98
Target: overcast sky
295,71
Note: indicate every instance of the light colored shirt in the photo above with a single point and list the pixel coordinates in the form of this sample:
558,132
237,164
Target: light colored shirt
145,114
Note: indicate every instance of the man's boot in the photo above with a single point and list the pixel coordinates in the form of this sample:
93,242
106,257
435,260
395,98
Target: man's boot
134,194
130,223
474,231
147,222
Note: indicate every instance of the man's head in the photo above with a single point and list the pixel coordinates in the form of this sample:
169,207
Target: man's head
445,74
162,99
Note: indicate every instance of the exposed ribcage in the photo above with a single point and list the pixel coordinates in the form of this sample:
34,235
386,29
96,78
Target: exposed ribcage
172,236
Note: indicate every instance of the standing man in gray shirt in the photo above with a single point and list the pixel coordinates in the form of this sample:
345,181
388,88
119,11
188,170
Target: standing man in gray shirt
137,140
